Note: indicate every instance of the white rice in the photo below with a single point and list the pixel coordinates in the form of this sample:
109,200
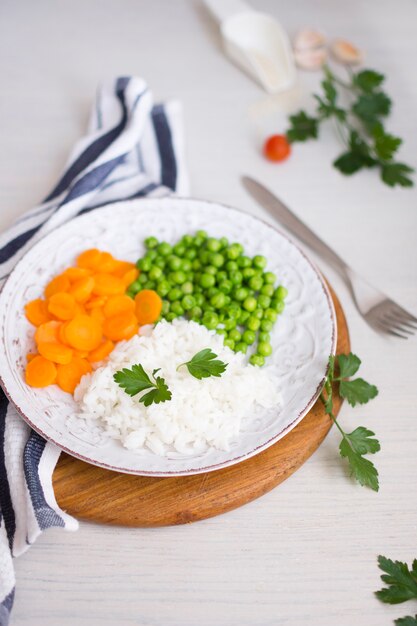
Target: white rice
201,413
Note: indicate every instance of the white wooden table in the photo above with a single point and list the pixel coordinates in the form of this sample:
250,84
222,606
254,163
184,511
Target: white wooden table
305,553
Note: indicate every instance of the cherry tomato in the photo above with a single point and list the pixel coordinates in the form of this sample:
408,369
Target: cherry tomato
277,148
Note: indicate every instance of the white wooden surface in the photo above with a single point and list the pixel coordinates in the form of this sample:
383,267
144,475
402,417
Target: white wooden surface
305,553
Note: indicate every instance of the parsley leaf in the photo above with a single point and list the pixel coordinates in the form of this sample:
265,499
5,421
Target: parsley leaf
302,128
368,80
135,380
401,581
385,145
361,441
205,364
357,391
371,106
406,621
396,174
361,469
349,162
348,364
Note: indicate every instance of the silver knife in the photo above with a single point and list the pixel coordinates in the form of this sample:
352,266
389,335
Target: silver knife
287,218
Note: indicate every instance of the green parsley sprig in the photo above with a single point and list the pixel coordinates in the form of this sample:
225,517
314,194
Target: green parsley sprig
205,364
135,380
355,445
359,124
401,584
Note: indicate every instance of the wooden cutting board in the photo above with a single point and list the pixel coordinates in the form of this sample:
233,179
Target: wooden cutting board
99,495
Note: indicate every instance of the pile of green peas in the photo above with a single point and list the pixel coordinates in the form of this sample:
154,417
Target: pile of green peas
212,282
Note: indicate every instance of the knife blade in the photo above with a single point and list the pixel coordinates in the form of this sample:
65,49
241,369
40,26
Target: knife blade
291,222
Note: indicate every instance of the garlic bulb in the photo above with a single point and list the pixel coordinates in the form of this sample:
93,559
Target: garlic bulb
310,49
345,52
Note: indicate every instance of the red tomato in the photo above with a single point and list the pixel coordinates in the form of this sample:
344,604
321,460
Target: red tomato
277,148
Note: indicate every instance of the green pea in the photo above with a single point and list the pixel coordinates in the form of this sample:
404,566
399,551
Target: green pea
151,242
278,305
198,241
179,277
163,288
266,326
263,336
211,291
164,249
244,261
281,292
177,308
204,256
257,359
179,249
233,252
243,317
150,284
213,244
197,265
170,316
160,262
249,337
249,304
236,277
174,262
264,301
174,294
228,300
218,300
225,286
258,313
135,286
253,323
221,331
186,265
256,282
210,320
201,233
187,302
269,278
229,343
210,269
151,255
241,347
267,290
248,272
232,266
187,240
195,313
240,294
144,264
270,315
230,323
264,348
165,307
199,299
235,335
259,261
155,273
224,242
217,259
187,287
143,278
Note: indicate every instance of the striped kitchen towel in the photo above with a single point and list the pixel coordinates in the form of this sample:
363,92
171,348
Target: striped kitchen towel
133,148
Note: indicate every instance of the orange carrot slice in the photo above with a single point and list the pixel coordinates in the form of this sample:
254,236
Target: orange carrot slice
107,285
48,332
120,327
101,352
30,356
95,301
76,273
89,259
40,372
129,277
123,267
106,263
69,376
62,306
81,289
55,352
97,315
83,333
118,304
58,284
148,306
37,312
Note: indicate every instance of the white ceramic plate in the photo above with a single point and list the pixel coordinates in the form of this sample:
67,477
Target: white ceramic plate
303,337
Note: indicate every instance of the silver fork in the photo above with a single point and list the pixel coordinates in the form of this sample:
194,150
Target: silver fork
382,314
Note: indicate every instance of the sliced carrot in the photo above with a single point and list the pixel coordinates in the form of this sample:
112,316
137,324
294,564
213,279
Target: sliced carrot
97,315
107,285
118,304
129,277
95,301
123,267
101,352
82,354
37,312
76,273
61,334
30,356
83,333
58,284
89,259
81,289
148,306
120,327
55,352
69,376
40,372
48,332
106,263
62,306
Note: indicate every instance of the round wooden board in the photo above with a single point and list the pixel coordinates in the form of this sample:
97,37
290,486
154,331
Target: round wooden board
99,495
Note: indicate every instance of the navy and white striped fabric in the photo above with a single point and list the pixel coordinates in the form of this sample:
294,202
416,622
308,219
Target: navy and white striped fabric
133,148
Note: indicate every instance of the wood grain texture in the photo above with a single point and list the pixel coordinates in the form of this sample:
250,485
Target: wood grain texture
98,495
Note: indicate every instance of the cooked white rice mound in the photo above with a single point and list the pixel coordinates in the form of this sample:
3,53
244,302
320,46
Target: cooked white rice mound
201,413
